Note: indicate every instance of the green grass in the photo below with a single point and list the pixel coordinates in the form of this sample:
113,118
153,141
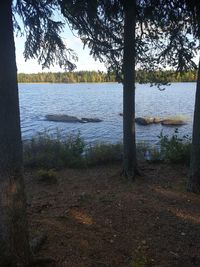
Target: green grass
46,152
49,176
43,151
102,153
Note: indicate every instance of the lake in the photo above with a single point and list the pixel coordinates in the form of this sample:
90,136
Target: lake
103,101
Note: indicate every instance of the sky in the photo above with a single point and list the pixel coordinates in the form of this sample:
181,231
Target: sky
85,61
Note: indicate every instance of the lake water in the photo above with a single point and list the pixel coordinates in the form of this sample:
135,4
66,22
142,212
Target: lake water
103,101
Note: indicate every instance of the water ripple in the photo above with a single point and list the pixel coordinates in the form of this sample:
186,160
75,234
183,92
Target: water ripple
103,101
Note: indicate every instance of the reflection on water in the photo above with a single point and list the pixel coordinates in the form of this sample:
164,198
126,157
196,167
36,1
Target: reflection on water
103,101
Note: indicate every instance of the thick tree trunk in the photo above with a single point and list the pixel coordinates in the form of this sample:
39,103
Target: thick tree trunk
14,244
194,174
129,161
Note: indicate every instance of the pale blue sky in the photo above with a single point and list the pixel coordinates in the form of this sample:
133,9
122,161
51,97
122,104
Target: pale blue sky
85,61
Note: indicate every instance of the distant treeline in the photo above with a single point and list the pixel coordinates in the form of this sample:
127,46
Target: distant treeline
99,77
66,77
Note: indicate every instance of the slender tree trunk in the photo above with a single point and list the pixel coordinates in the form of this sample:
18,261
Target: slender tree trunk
194,174
14,243
130,161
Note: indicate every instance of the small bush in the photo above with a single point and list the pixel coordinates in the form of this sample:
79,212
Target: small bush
175,149
47,175
46,152
103,153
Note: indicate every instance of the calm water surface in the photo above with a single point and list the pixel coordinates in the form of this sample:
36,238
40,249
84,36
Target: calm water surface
103,101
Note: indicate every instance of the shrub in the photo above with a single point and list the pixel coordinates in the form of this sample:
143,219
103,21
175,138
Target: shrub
175,149
47,175
103,153
46,152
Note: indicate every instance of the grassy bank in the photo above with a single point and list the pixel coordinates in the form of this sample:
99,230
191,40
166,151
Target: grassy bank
47,152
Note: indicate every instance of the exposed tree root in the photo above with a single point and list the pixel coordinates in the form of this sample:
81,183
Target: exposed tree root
130,175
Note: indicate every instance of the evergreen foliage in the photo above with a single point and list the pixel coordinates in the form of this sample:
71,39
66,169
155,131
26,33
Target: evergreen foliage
43,33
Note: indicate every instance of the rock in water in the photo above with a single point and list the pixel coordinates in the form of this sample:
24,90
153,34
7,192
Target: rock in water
67,118
157,120
141,121
62,118
90,120
167,121
173,122
144,121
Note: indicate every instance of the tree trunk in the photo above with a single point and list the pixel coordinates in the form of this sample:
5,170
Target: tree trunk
129,160
194,173
14,244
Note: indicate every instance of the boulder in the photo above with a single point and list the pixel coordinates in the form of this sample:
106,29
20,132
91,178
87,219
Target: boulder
167,122
157,120
141,121
62,118
67,118
173,122
144,121
149,120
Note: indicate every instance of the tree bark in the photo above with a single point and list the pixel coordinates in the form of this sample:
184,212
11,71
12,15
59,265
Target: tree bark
129,144
14,243
194,173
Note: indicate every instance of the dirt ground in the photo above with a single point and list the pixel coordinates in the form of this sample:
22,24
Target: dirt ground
96,218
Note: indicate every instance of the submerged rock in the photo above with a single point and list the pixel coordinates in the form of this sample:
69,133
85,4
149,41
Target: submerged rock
67,118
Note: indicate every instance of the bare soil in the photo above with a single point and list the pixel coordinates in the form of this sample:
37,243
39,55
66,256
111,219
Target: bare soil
96,218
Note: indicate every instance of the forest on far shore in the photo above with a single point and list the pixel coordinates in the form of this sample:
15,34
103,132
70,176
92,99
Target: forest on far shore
99,77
